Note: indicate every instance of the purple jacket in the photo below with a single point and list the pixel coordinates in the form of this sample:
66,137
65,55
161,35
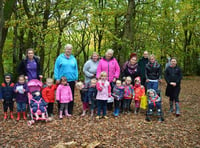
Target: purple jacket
20,95
111,67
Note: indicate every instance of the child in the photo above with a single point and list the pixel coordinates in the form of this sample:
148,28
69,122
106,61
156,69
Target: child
7,95
128,94
64,96
84,96
103,92
48,93
37,103
92,93
139,92
118,93
154,101
21,90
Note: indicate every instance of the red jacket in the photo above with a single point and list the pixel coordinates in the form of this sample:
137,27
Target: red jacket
48,93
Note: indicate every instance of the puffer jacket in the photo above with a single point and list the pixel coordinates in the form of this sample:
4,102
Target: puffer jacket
111,67
64,94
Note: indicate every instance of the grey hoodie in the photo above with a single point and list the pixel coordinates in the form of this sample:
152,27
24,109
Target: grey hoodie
90,69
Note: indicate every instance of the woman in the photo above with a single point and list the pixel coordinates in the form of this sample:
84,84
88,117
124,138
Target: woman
30,66
153,73
110,65
66,65
131,68
173,78
90,67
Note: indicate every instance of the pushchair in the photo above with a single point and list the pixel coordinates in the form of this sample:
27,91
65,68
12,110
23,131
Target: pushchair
154,105
35,85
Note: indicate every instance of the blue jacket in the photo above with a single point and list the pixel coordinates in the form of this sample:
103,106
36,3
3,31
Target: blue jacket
92,93
66,67
6,92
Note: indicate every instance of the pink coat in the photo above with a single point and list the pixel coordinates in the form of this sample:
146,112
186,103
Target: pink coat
103,90
64,94
110,67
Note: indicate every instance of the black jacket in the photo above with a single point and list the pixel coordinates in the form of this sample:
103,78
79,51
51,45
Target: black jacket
153,72
173,74
22,66
7,92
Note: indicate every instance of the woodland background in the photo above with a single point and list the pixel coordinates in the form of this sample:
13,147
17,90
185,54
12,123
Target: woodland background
163,27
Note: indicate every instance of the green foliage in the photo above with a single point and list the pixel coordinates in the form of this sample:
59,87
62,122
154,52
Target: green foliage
165,28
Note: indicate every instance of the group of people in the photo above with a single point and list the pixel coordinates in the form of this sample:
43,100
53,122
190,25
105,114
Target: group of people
105,84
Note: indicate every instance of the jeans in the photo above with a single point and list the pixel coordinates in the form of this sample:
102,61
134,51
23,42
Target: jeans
41,108
152,85
101,106
93,104
117,104
126,104
21,106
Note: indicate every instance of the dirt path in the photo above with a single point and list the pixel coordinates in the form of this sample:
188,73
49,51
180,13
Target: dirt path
125,131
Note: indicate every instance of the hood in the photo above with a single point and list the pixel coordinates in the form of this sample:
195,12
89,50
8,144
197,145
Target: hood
8,75
155,94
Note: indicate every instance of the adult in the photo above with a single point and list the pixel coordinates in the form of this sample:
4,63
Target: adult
142,64
153,73
30,66
131,68
90,67
110,65
66,65
173,76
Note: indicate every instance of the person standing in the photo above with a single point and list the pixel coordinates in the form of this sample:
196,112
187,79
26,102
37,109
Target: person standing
153,73
66,65
142,64
90,68
30,66
110,65
131,68
173,76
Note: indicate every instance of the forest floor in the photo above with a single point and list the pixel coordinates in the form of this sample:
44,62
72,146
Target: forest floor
124,131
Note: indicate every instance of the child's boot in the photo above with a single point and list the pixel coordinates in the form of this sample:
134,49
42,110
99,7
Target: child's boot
36,116
5,115
61,115
92,113
24,115
83,114
171,107
177,109
11,115
18,116
67,114
43,116
117,112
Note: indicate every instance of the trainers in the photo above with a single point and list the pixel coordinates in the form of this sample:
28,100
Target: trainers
98,117
105,117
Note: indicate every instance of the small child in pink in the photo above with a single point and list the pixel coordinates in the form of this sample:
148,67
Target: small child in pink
103,92
64,96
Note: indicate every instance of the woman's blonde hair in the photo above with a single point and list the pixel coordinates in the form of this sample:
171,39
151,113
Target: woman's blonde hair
94,54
